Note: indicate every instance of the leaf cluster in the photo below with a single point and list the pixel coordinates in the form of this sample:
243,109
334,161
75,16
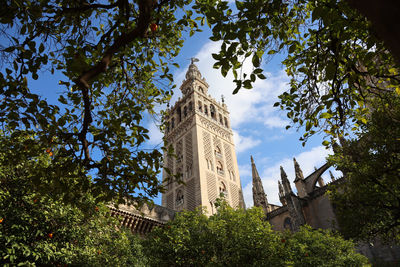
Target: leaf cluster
336,64
243,238
368,203
40,229
114,71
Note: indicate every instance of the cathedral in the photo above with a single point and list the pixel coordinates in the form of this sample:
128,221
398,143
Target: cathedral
203,167
309,206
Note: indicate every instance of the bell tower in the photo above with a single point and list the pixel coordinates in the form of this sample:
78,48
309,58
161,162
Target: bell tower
198,128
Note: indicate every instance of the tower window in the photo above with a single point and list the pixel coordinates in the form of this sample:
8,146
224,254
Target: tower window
226,122
222,189
201,90
178,111
185,111
190,106
172,123
179,198
212,112
218,151
220,119
200,106
205,110
220,169
188,171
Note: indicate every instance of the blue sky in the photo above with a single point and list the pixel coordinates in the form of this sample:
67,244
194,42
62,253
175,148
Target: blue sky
259,128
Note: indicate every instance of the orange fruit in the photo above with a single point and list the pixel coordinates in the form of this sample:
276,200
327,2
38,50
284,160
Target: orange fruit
153,27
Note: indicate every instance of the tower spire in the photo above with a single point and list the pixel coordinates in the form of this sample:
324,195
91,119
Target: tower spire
281,193
332,177
259,196
298,171
193,80
285,182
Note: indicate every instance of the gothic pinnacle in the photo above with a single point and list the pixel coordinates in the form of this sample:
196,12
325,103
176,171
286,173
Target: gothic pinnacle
259,196
332,177
285,182
298,171
280,188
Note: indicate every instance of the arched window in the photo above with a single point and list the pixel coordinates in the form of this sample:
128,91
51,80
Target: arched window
190,106
218,151
287,224
222,189
220,119
185,111
220,169
226,122
201,90
212,112
200,106
188,171
205,110
178,111
179,198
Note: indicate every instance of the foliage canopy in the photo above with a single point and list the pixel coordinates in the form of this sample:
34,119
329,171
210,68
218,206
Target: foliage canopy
243,238
37,229
114,59
336,63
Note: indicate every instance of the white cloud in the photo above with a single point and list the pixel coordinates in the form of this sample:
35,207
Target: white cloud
271,174
155,135
255,105
243,143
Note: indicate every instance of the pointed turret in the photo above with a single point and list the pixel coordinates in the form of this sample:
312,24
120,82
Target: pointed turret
332,177
298,171
299,180
281,193
285,182
259,196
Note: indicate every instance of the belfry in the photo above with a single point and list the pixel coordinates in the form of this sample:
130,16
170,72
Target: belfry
198,129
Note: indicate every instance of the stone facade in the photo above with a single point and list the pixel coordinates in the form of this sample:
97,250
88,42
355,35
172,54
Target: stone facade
312,206
142,220
198,129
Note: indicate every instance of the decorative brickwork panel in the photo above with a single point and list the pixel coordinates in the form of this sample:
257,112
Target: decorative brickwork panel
188,155
179,153
170,166
229,160
170,201
234,195
207,145
191,194
211,187
217,142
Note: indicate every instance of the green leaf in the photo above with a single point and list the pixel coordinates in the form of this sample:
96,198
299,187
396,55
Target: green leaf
326,115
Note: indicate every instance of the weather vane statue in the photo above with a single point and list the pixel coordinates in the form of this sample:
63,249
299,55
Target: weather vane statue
193,60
